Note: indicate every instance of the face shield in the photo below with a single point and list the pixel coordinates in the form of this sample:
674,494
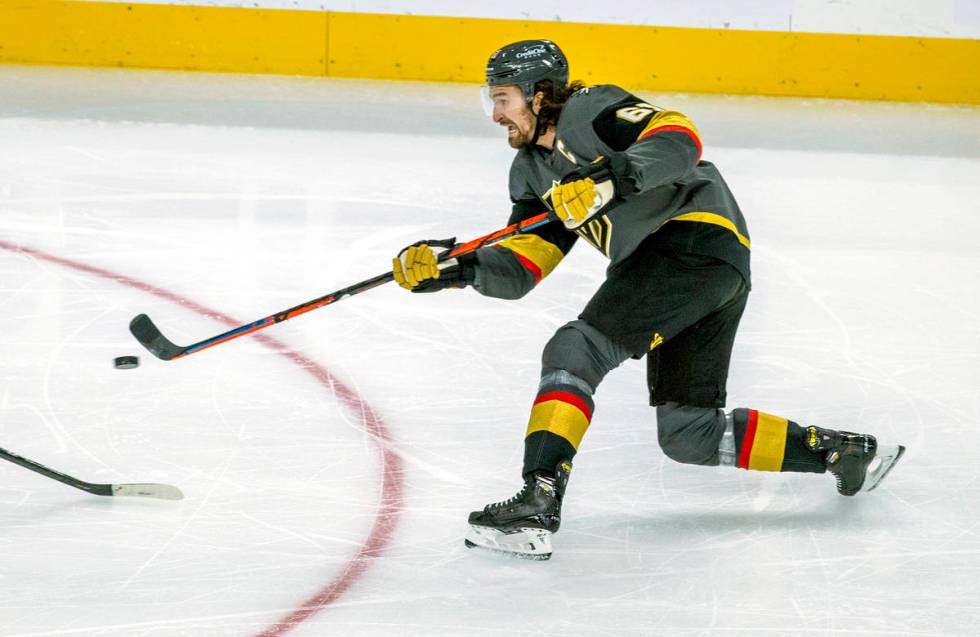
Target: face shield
486,100
504,99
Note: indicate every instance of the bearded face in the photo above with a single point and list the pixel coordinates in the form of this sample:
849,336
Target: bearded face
509,109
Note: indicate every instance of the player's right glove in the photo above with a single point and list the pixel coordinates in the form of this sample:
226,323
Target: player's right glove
417,267
584,192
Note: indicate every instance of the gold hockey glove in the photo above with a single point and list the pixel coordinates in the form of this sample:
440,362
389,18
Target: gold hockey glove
417,267
583,193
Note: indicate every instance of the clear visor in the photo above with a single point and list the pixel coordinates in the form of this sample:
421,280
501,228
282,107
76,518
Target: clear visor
486,100
505,99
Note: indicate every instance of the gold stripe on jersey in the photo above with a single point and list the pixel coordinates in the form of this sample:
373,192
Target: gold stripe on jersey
669,118
715,219
540,252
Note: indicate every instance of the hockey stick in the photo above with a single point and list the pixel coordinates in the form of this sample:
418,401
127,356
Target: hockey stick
149,335
144,490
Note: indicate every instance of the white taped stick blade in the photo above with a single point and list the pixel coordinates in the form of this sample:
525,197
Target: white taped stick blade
148,490
885,458
526,543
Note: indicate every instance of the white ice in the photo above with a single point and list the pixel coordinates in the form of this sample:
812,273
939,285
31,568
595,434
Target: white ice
248,195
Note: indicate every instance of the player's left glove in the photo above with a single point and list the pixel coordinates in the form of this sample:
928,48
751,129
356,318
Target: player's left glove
417,267
583,193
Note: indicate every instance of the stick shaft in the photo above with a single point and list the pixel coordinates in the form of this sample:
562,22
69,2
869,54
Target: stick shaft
150,336
285,315
37,467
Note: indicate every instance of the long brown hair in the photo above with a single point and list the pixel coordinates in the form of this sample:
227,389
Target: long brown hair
554,100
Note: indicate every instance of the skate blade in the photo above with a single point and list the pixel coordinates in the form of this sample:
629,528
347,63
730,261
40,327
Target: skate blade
885,459
525,543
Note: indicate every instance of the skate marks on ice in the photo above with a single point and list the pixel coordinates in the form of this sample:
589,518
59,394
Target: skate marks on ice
863,311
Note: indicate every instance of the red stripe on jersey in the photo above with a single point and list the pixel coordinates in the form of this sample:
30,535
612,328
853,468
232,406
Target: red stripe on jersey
676,129
531,267
748,439
565,397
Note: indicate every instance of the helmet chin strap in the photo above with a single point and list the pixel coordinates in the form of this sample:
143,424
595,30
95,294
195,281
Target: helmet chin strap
537,133
537,126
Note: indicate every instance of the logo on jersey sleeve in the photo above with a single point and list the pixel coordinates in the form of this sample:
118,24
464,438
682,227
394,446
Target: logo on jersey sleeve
598,233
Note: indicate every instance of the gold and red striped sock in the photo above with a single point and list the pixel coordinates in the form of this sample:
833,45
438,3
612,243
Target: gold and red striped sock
559,418
764,442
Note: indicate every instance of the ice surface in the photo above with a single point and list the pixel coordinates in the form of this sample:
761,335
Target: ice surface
246,195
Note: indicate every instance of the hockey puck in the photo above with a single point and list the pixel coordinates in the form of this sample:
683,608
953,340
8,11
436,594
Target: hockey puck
126,362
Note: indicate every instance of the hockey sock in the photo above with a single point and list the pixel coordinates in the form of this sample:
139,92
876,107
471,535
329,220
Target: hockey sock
559,418
764,442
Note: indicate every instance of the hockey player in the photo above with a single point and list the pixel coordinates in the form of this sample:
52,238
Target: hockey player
626,177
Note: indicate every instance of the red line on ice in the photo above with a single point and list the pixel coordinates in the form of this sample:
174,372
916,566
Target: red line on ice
390,503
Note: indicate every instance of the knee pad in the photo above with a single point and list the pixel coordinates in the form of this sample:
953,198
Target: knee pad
552,377
583,351
691,435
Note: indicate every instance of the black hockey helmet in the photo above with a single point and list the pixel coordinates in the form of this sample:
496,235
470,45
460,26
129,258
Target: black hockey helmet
526,62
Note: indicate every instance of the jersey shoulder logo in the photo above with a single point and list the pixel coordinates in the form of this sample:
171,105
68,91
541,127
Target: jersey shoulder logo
567,154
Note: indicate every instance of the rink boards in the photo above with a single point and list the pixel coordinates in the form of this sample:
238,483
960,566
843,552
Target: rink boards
454,49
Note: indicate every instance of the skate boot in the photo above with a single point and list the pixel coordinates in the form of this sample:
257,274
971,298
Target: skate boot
522,525
856,460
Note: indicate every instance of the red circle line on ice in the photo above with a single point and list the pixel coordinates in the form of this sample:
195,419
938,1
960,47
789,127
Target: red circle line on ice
392,485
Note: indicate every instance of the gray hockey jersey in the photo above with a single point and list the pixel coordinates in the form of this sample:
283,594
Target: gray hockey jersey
676,192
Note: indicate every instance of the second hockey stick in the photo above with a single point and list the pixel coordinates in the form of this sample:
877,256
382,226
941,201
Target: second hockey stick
142,490
149,335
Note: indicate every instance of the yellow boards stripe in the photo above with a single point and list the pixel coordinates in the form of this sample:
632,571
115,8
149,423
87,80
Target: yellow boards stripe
543,254
164,37
447,49
559,418
718,220
659,58
769,445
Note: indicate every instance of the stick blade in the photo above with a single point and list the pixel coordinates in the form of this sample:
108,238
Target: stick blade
148,490
152,339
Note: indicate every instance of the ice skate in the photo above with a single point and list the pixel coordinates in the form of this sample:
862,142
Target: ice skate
522,526
856,460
